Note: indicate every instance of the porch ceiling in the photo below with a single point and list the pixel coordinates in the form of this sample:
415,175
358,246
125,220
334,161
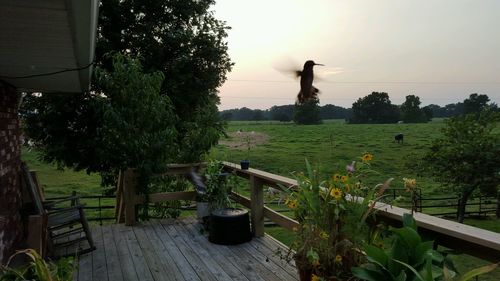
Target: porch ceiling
46,36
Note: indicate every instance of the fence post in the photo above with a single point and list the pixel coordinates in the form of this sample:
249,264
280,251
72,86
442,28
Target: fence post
257,206
129,184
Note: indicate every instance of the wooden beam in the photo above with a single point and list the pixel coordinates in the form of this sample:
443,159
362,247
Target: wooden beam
464,238
257,206
280,219
266,178
119,208
129,196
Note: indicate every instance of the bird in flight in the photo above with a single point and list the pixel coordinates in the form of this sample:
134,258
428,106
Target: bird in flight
307,90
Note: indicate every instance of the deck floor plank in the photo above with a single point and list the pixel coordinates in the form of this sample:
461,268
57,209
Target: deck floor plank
112,260
162,252
99,267
232,270
124,255
152,260
140,264
176,250
203,254
85,266
195,261
182,263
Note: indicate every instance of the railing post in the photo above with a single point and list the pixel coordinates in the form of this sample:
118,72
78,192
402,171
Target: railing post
129,183
257,206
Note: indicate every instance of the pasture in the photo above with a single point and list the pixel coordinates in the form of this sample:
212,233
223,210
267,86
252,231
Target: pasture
332,145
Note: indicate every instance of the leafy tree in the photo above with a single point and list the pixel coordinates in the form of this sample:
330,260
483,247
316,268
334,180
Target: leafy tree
475,103
307,113
181,39
428,113
374,108
466,157
330,111
411,111
283,113
133,109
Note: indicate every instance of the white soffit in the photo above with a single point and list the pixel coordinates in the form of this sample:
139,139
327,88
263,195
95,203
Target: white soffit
39,37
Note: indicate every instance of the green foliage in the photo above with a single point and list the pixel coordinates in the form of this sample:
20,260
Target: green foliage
185,41
466,157
307,113
219,185
165,183
410,258
180,39
138,123
411,111
38,269
374,108
475,104
332,220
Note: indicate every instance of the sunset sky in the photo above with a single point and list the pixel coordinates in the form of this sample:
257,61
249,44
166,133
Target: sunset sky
439,50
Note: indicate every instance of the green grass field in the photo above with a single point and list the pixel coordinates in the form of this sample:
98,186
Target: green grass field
332,144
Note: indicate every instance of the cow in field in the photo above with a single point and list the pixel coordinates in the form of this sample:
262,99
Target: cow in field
398,138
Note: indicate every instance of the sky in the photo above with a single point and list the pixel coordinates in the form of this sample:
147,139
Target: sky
439,50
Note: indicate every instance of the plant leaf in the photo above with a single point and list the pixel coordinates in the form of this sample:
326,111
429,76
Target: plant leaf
411,269
478,271
368,274
376,254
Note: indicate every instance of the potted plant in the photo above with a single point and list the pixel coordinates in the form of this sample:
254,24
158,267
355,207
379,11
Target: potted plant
245,164
332,214
213,191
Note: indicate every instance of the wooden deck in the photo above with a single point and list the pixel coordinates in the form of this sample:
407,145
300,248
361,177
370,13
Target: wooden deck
177,250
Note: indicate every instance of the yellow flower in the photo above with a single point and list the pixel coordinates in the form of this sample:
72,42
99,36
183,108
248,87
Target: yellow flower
323,235
336,177
315,277
409,184
367,157
347,187
315,263
338,259
344,178
291,203
336,193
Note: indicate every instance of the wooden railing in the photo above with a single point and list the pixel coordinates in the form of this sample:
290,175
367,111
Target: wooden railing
463,238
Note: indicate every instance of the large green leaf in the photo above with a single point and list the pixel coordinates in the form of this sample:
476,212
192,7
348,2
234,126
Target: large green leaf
409,221
376,254
368,274
478,271
408,235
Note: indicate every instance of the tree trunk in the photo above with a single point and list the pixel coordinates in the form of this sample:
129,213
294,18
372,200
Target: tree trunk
462,203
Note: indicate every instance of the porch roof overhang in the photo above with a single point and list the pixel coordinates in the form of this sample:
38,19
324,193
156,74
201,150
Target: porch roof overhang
47,45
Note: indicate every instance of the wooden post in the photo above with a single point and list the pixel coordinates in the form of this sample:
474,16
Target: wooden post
119,212
257,206
129,184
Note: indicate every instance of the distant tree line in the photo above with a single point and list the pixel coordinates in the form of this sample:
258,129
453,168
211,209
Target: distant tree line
373,108
283,113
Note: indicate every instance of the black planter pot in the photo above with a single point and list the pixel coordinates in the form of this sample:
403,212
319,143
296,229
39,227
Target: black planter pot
229,226
245,164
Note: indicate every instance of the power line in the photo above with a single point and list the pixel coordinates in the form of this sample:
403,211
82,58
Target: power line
369,82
